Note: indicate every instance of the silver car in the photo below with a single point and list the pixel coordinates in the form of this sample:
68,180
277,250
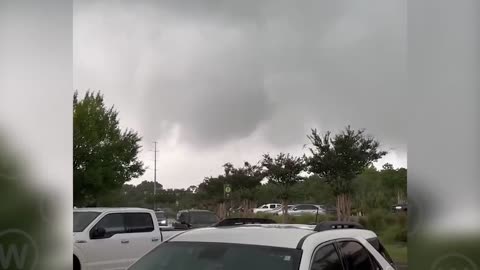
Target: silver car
305,209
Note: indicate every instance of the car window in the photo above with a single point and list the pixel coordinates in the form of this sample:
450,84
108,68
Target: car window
300,207
218,256
326,258
112,223
203,218
381,249
82,219
272,206
139,222
311,207
356,257
264,206
182,217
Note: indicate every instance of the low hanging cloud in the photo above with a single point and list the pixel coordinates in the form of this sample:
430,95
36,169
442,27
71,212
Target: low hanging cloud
208,77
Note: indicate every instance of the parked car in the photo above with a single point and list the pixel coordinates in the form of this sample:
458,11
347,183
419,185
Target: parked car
161,218
401,207
112,238
330,210
279,209
190,219
266,207
305,209
243,245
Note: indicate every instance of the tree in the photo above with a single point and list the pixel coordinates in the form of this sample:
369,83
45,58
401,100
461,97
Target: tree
283,170
339,159
104,156
395,180
244,181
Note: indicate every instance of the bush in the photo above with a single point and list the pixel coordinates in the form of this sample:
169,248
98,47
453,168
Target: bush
376,220
394,234
390,219
363,221
402,219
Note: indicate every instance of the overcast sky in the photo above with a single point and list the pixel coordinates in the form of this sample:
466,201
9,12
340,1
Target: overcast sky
226,81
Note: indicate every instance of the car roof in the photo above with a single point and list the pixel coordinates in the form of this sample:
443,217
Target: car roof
111,209
277,235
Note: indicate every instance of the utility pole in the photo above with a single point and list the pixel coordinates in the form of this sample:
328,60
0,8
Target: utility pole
155,179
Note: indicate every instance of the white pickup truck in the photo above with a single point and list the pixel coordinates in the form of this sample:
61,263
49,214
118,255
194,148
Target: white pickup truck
112,238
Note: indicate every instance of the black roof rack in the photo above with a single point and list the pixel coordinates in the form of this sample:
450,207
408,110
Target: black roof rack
242,221
333,225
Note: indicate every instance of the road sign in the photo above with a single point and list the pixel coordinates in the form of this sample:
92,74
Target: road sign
227,190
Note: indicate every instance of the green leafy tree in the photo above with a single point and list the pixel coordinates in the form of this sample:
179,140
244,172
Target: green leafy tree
283,170
244,181
339,159
369,191
104,156
313,190
395,181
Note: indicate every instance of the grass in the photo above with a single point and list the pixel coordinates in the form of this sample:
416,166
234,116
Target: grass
398,252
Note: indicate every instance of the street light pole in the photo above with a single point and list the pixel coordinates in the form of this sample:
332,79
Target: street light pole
155,179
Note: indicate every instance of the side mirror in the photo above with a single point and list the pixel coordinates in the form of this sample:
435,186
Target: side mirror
98,233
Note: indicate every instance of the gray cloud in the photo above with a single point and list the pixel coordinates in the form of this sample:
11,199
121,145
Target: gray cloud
216,72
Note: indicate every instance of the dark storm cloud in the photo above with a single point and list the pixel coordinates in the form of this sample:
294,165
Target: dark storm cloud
221,70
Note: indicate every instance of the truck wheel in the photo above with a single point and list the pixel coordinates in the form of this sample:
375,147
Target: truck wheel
76,263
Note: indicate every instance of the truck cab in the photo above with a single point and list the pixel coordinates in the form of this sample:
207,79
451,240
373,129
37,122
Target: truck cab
112,238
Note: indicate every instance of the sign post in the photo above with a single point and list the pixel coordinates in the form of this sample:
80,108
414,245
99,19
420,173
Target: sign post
227,190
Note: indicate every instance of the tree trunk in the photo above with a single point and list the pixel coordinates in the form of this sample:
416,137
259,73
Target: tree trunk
344,205
284,211
348,207
221,210
339,215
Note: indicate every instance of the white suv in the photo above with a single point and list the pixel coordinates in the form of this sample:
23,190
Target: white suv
266,207
326,246
112,238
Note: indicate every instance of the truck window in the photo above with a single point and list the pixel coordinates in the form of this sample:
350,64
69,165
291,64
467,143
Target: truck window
82,219
139,222
112,223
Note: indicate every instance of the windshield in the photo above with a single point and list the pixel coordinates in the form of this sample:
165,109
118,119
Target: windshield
217,256
203,218
82,219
